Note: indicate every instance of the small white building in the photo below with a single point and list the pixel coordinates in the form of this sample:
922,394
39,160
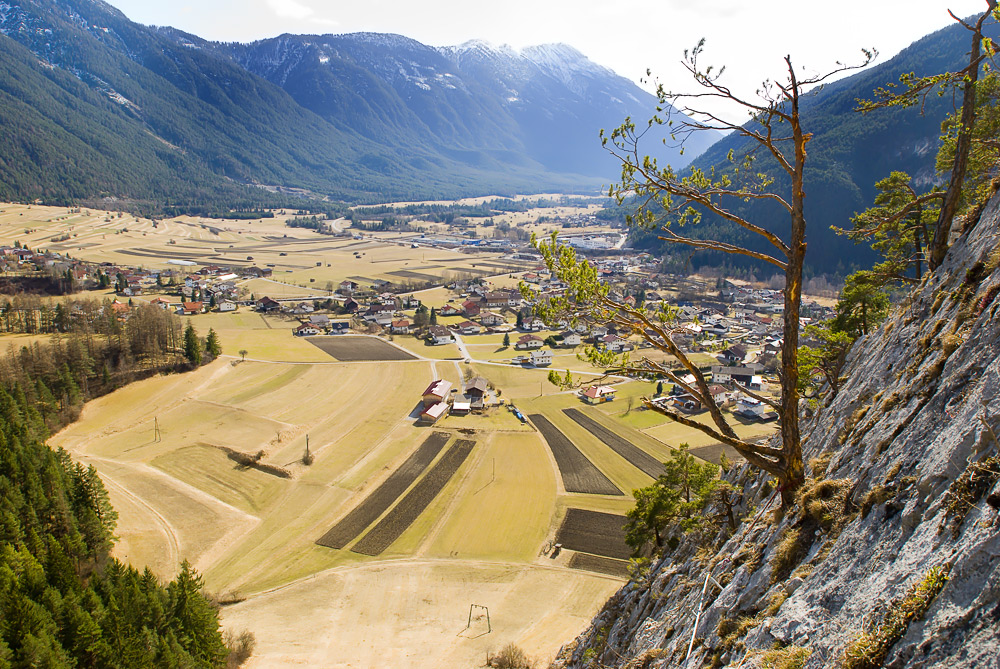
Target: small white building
226,305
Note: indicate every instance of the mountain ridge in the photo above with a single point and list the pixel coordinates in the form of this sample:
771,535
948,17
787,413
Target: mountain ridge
360,118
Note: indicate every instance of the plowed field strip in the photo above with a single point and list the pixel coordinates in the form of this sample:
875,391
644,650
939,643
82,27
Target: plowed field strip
410,507
355,349
637,457
595,533
373,506
578,473
601,565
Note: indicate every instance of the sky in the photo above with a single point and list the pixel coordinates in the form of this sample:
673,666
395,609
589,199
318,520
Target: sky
629,37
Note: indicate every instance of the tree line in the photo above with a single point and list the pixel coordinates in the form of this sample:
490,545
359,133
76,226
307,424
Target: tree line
64,601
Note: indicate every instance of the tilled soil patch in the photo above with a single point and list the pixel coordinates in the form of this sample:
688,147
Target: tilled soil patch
381,498
410,507
358,349
578,473
601,565
595,533
637,457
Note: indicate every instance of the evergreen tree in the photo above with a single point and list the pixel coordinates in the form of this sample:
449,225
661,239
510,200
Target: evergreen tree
675,498
434,316
192,347
506,340
212,344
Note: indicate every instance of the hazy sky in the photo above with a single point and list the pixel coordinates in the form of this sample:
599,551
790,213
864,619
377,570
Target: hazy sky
750,38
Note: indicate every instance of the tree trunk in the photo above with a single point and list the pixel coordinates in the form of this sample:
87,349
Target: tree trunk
793,474
939,247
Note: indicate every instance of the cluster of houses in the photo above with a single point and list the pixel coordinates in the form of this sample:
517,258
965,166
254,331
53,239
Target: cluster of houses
441,398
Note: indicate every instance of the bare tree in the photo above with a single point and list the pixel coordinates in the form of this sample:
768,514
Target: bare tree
666,201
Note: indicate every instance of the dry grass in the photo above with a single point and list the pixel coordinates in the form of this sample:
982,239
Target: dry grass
868,650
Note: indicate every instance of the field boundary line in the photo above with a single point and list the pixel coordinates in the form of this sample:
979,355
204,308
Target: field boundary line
384,563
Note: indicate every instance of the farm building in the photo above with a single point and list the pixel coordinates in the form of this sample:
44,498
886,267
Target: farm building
477,387
266,304
597,394
437,391
434,412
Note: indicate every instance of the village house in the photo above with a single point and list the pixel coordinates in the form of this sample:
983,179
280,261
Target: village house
597,394
376,312
541,357
532,324
191,308
528,342
401,326
734,355
339,327
570,339
320,320
226,305
439,334
616,344
469,328
491,319
450,310
266,305
307,330
347,288
161,302
471,308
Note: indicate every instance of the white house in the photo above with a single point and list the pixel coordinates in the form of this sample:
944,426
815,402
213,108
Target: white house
528,341
226,305
541,357
571,339
439,334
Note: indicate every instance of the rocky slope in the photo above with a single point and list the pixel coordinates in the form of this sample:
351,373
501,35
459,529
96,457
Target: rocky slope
903,490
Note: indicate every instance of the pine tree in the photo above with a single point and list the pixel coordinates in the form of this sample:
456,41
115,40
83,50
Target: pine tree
192,347
212,344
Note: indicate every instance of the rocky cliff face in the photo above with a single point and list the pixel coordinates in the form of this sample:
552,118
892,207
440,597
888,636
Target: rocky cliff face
903,492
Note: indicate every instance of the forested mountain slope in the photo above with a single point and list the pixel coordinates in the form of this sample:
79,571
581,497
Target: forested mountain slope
849,152
95,106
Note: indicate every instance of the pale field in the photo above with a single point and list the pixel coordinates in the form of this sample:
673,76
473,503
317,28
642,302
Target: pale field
248,531
303,258
251,532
